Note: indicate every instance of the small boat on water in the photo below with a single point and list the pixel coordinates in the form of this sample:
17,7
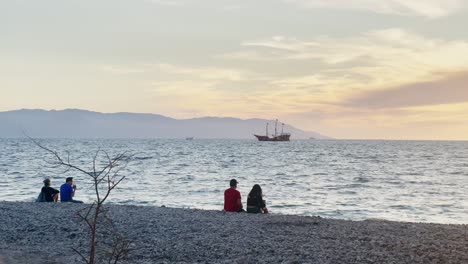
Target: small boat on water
189,138
274,137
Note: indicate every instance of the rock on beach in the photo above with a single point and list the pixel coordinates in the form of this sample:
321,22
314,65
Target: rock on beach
47,232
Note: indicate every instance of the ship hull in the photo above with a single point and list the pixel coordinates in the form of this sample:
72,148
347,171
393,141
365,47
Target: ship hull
277,138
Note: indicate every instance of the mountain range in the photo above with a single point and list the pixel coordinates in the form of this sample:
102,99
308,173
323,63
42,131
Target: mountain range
76,123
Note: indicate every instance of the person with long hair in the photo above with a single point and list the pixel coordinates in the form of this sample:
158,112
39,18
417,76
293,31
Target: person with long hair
50,194
255,202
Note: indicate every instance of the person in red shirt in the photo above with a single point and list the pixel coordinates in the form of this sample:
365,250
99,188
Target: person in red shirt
232,198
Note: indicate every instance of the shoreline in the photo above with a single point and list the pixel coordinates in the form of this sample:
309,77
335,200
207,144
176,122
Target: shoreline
46,233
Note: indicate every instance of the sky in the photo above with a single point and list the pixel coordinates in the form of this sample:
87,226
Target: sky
361,69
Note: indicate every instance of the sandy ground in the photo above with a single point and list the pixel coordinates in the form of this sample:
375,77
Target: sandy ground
47,232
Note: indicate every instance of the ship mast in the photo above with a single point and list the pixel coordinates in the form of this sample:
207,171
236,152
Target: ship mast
276,125
282,126
267,129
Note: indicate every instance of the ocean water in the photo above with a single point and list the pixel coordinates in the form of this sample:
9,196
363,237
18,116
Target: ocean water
416,181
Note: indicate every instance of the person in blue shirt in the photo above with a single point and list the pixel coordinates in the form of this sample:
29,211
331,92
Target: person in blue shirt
67,191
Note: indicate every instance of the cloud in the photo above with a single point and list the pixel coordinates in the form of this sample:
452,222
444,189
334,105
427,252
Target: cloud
424,8
391,80
450,90
355,75
371,61
392,43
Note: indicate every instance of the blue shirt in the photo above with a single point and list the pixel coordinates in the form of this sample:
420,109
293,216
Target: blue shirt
66,192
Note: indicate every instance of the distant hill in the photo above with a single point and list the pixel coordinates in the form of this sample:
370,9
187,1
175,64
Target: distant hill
75,123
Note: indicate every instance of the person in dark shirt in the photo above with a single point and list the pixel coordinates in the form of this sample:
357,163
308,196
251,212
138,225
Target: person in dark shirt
255,202
232,198
67,191
50,194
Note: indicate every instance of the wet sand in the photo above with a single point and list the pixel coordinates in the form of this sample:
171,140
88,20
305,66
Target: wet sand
46,233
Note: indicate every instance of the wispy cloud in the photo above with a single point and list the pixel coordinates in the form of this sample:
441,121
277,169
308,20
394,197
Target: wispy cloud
374,60
452,89
425,8
373,44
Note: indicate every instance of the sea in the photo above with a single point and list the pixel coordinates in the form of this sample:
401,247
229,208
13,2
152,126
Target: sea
413,181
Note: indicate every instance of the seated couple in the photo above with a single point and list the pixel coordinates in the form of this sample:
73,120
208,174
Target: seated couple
233,201
67,192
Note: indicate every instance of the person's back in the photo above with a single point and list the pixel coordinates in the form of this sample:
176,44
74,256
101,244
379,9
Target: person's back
66,191
255,202
48,193
232,198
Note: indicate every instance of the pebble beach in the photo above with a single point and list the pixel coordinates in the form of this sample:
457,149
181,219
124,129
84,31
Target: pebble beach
47,232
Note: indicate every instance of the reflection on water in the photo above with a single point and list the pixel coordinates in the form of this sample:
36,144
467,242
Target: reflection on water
396,180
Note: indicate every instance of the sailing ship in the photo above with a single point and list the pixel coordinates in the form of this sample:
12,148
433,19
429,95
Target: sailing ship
274,137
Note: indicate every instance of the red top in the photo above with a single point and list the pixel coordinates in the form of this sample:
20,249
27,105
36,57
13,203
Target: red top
231,196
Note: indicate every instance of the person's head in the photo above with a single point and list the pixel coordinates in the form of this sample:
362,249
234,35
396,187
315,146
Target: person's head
256,191
233,183
46,182
69,180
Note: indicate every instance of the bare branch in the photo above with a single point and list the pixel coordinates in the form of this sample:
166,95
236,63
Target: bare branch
112,187
67,169
59,159
94,161
121,245
108,157
91,215
85,217
81,255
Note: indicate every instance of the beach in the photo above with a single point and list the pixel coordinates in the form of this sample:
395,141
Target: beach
47,232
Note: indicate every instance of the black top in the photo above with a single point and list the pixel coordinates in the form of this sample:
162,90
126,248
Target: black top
256,201
49,193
